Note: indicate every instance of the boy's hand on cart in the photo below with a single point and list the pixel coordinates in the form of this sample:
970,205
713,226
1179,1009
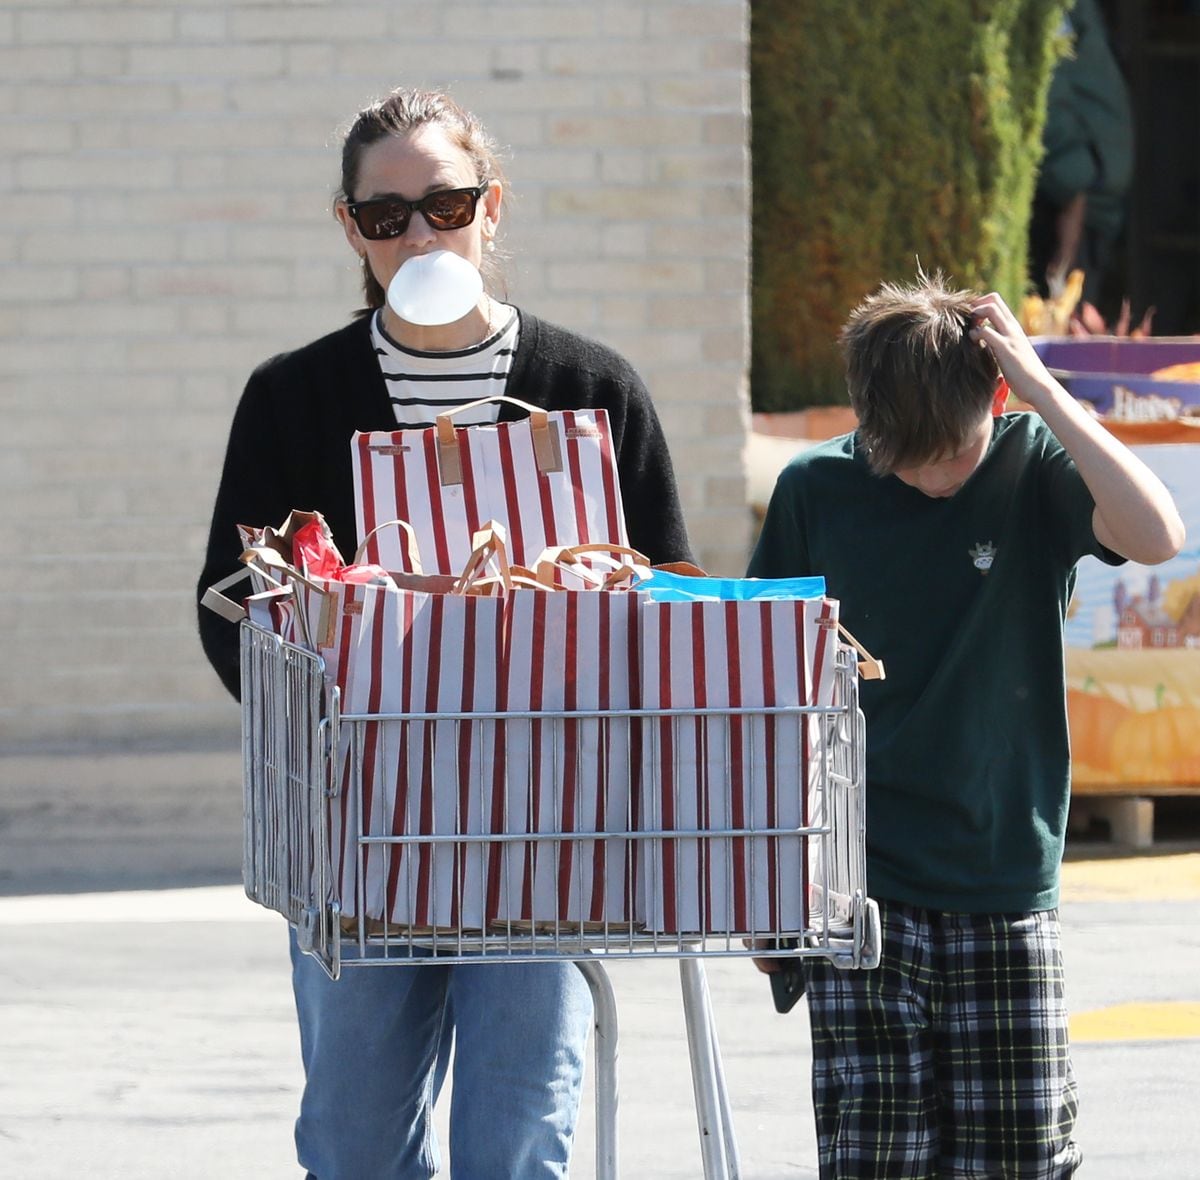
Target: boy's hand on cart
766,966
787,978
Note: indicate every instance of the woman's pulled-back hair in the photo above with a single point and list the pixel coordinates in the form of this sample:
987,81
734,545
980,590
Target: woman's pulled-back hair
401,113
917,381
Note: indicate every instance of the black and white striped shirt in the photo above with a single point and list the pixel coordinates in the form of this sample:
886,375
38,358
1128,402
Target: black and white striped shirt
422,385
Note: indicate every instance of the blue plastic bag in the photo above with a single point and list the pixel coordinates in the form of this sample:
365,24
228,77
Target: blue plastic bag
663,586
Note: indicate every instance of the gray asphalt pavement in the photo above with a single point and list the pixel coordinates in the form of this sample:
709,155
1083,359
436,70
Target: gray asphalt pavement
146,1027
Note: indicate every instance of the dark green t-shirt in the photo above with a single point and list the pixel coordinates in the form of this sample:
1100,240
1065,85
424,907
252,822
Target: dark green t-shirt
964,600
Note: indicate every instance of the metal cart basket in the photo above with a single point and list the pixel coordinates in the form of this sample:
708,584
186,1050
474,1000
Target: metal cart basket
308,772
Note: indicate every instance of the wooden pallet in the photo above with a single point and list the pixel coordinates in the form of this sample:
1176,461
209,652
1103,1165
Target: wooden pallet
1127,808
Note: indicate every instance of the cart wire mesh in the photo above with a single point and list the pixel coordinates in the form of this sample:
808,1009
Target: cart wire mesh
506,835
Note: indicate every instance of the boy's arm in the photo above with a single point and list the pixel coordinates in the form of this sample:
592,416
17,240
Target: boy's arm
1135,515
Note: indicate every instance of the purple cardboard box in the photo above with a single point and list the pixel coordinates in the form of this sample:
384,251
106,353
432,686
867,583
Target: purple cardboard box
1114,373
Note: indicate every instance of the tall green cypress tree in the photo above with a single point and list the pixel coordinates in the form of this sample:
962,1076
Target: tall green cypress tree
885,132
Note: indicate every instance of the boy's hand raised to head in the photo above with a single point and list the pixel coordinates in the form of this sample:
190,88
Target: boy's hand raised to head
1135,515
996,328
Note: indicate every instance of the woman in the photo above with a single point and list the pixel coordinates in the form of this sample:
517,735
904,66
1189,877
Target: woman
419,174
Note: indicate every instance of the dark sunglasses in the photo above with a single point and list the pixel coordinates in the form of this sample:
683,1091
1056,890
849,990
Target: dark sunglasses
388,217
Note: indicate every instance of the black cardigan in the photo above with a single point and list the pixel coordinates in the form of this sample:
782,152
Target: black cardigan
289,446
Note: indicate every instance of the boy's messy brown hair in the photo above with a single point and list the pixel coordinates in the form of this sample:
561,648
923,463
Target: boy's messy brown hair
917,382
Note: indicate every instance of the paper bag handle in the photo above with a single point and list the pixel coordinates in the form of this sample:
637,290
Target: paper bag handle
222,604
235,612
569,557
688,568
264,558
567,554
517,577
532,410
623,577
260,557
492,541
632,574
486,543
869,668
411,548
545,440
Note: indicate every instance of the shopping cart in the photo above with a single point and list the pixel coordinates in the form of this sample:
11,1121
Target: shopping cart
306,764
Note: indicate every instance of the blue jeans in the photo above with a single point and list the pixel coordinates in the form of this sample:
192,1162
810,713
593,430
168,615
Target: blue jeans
376,1044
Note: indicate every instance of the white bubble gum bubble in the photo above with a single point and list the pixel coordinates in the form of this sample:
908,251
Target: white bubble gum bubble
435,288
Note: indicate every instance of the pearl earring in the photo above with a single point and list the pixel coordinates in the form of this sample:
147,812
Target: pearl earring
491,246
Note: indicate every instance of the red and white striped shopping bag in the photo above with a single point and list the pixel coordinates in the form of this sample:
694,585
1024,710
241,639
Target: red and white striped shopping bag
568,651
275,610
727,773
550,479
398,644
420,785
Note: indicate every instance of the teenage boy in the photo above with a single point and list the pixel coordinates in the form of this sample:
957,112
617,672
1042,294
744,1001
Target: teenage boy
950,531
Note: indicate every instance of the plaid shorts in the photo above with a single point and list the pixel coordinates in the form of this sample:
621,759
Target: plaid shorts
949,1060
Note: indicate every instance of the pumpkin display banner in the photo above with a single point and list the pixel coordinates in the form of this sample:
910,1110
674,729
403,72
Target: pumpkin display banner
1133,632
1133,656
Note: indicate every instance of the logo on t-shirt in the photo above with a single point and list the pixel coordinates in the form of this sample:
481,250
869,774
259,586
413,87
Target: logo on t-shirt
982,556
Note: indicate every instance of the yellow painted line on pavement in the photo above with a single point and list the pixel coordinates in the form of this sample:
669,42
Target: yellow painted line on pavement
1174,1021
1133,878
1140,878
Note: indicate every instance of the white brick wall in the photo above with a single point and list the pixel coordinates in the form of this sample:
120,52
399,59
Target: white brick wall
165,174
